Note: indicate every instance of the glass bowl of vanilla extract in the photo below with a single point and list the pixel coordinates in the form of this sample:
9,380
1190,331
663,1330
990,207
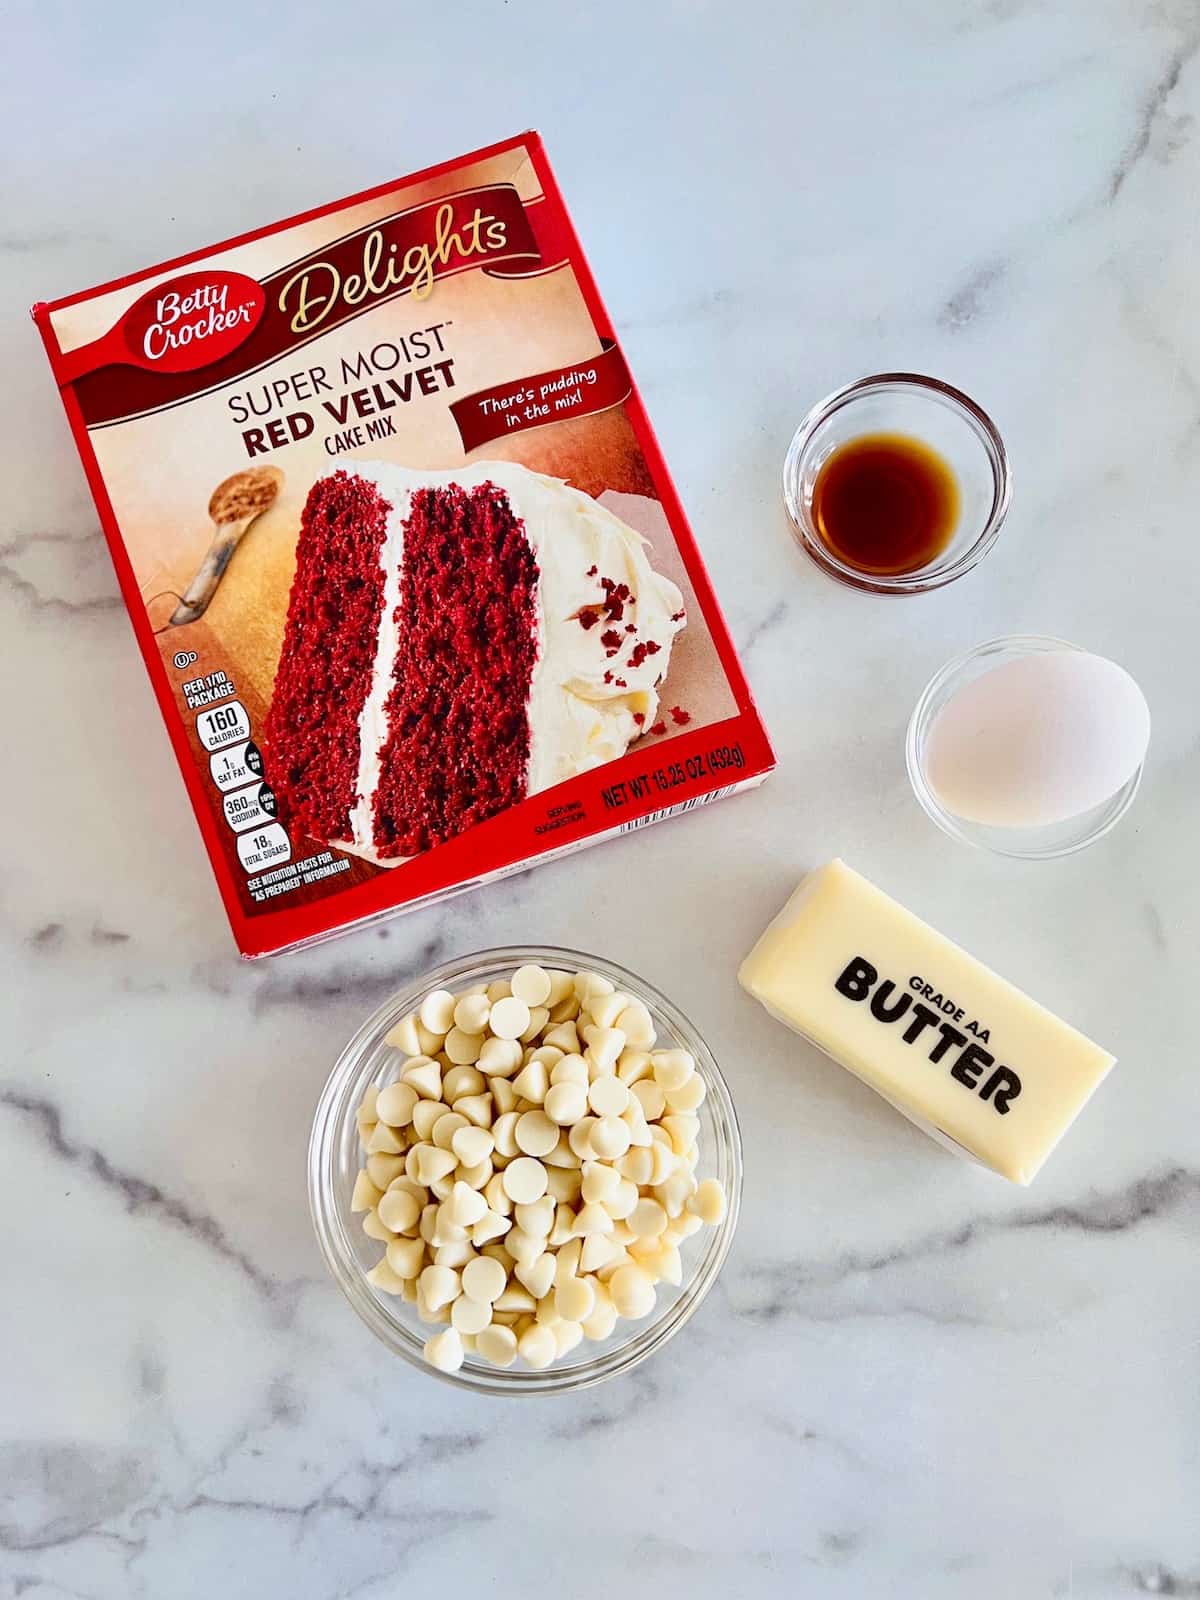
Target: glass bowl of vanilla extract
897,483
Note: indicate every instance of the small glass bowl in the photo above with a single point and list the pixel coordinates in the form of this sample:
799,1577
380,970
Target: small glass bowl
1026,844
942,417
334,1159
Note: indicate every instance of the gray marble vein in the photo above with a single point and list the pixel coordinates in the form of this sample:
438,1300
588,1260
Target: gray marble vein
911,1382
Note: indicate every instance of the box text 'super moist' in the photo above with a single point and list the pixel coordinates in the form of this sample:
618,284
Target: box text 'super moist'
415,592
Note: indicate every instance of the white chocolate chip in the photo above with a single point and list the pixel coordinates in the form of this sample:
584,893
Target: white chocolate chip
404,1035
598,1251
524,1180
497,1345
684,1130
620,1204
509,1018
566,1262
562,986
571,1069
537,1345
426,1115
532,1082
478,1175
537,1275
429,1040
563,1156
532,985
382,1277
608,1096
484,1279
608,1138
562,1183
470,1316
500,1058
536,1134
663,1161
427,1163
504,1134
453,1255
465,1207
564,1225
637,1025
374,1228
580,1136
436,1011
604,1047
384,1140
395,1104
566,1102
445,1351
676,1191
446,1127
604,1318
477,1108
504,1096
365,1196
438,1286
383,1169
399,1210
632,1291
575,1299
491,1225
563,1036
538,1018
515,1298
493,1193
460,1081
637,1165
472,1012
425,1076
590,984
708,1203
651,1096
647,1219
566,1336
689,1097
592,1219
599,1182
606,1008
537,1218
633,1066
672,1068
471,1145
463,1048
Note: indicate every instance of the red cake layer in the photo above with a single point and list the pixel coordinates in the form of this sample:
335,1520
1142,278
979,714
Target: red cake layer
311,735
457,750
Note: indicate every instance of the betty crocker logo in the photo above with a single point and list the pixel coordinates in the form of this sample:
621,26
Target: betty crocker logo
192,321
199,329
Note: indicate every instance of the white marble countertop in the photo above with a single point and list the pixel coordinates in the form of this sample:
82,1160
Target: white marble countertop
911,1381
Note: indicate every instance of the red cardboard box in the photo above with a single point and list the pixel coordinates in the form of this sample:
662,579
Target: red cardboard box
416,594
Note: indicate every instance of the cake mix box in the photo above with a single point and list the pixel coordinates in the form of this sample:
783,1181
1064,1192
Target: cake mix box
417,597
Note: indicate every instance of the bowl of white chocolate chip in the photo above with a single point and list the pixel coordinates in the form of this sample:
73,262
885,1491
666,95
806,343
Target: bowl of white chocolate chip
525,1171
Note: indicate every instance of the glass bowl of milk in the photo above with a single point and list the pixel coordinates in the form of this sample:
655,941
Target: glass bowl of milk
1028,746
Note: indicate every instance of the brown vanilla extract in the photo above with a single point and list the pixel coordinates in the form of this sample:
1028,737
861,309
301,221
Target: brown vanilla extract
885,503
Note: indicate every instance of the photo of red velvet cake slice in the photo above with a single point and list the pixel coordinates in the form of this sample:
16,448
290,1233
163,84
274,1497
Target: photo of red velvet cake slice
456,641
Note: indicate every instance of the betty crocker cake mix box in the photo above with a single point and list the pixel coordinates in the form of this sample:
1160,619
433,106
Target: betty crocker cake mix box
418,600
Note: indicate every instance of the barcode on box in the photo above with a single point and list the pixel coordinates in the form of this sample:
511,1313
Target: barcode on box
677,811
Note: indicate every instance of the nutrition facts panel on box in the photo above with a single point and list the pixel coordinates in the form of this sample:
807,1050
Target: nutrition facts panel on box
247,802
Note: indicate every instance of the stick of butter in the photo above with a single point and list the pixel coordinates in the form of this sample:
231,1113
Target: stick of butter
971,1060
